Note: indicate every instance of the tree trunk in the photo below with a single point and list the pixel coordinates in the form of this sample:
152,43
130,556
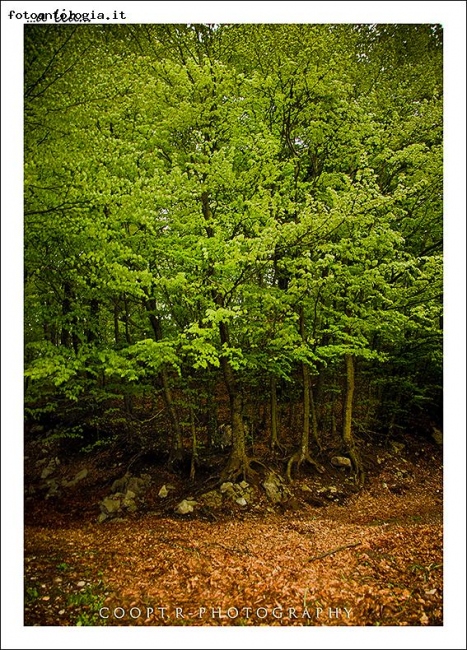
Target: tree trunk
291,413
274,443
348,404
128,403
176,450
126,317
65,338
347,435
93,329
314,420
69,332
238,463
212,424
333,408
116,327
194,449
303,453
305,438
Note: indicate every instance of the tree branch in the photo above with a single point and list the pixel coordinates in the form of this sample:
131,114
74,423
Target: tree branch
336,550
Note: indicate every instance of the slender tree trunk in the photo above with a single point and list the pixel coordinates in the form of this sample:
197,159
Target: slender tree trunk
212,415
347,435
314,420
274,443
305,438
128,403
333,408
176,450
116,326
333,420
369,408
69,331
237,463
194,449
303,453
348,404
92,330
291,418
126,317
65,338
176,429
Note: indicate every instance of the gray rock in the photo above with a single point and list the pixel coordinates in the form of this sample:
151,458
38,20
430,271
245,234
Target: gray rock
129,501
248,495
80,475
226,486
341,461
212,499
136,485
184,508
47,471
163,492
330,492
272,492
130,505
53,488
234,491
275,489
241,501
120,484
110,505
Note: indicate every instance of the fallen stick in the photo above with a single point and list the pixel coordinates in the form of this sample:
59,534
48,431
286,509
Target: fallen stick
336,550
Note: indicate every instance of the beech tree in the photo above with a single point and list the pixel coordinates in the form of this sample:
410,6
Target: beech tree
246,205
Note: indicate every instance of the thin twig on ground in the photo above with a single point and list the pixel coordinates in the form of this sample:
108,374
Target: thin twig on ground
336,550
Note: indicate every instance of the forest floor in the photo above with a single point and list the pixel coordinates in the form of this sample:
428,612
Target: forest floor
372,557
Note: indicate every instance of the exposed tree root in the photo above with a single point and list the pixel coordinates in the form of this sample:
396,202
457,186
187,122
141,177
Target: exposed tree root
277,447
241,468
357,465
299,457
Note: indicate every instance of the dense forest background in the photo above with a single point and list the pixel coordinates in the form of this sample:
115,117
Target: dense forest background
233,240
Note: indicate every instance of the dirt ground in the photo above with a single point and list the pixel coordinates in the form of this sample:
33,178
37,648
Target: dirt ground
373,557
